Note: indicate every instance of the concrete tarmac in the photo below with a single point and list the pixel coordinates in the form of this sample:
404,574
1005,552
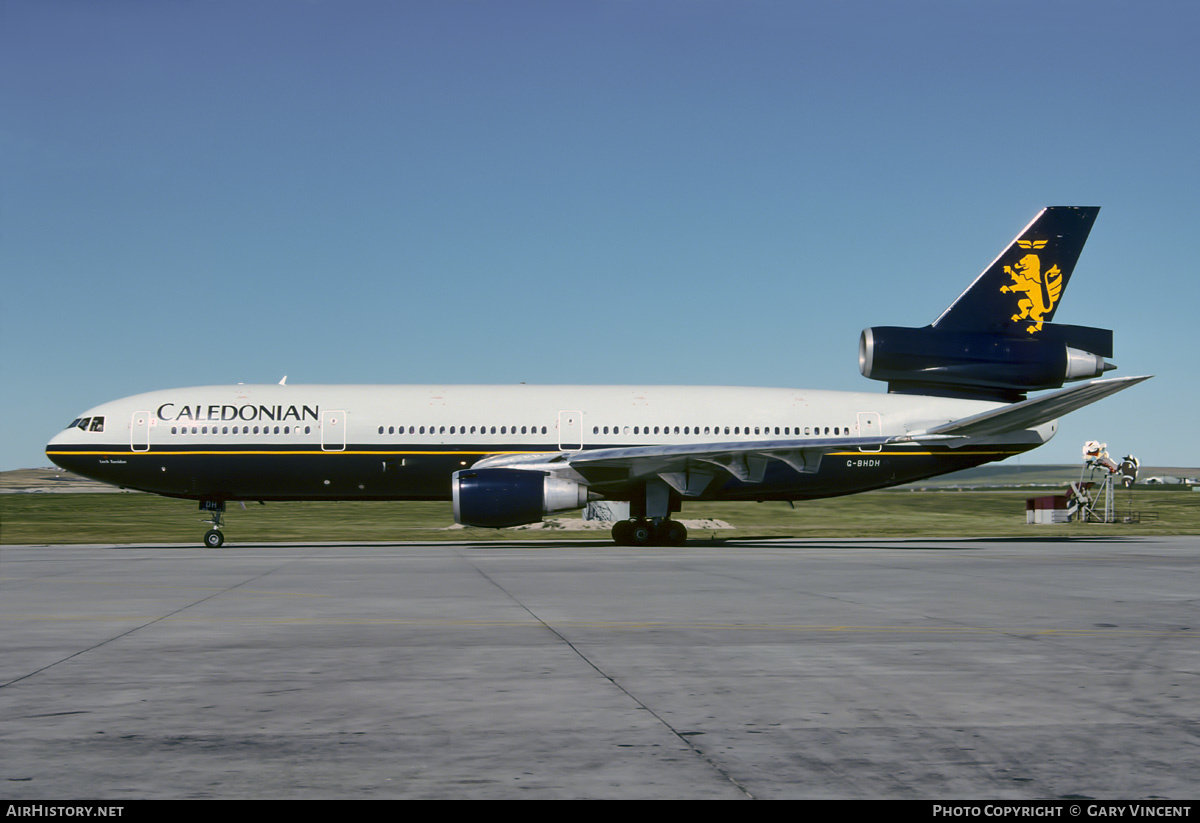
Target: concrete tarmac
936,669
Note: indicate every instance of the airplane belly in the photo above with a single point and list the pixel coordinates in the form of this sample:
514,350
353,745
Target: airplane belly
316,475
262,474
853,471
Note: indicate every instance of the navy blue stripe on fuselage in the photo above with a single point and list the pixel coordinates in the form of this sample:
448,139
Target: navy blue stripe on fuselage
258,471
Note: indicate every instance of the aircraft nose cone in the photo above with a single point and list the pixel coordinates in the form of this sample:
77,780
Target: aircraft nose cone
52,447
59,449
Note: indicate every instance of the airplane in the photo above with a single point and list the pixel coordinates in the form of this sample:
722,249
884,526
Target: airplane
510,455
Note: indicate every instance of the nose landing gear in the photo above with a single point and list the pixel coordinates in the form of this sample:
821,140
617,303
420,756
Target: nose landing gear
213,538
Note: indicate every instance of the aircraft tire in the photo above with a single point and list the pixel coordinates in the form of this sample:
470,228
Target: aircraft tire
671,533
642,534
622,532
213,539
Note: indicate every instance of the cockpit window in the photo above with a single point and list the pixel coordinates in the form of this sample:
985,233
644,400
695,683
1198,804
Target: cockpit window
83,423
97,424
74,423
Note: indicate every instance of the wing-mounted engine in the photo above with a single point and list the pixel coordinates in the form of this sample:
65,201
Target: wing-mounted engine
988,365
497,498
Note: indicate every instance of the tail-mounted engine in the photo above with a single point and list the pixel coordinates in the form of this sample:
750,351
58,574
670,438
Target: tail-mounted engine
988,365
496,498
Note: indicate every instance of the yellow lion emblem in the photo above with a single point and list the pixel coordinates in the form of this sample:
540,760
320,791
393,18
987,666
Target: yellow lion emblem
1041,293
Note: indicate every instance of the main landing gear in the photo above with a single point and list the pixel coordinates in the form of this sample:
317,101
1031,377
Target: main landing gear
651,523
649,533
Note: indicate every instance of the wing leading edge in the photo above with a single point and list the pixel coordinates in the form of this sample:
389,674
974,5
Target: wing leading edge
1033,412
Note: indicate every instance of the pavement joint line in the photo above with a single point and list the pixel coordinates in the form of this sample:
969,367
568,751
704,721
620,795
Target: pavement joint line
683,737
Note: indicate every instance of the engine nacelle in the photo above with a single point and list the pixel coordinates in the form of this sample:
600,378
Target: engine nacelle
496,498
986,364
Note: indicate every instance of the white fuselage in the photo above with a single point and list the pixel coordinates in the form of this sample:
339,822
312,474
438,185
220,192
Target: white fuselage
398,442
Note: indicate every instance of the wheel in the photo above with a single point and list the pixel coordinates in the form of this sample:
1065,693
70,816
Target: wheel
621,533
671,533
213,539
641,534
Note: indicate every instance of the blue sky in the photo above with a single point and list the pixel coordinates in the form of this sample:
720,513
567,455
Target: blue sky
598,192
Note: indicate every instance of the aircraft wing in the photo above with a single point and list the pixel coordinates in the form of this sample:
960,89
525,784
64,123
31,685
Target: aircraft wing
690,468
1033,412
741,459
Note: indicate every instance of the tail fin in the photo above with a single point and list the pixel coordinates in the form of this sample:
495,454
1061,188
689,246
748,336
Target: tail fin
996,340
1021,289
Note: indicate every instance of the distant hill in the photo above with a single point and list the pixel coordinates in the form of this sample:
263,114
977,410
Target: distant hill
50,479
1020,475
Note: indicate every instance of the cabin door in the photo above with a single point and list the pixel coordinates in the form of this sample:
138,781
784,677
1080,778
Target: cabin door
570,431
139,431
869,425
333,431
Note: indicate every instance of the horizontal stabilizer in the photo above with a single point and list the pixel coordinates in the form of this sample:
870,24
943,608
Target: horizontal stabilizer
1034,412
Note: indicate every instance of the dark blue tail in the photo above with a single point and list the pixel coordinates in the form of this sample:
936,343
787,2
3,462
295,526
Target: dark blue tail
996,340
1021,290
